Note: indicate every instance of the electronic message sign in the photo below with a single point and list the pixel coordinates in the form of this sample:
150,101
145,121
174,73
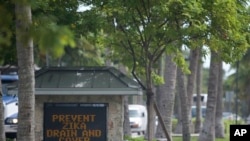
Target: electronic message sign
75,122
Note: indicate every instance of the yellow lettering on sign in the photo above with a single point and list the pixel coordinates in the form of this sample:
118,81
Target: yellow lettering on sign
61,133
74,125
71,125
74,139
91,133
73,118
88,118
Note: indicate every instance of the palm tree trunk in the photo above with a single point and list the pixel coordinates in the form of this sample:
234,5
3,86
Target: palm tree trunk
192,76
198,122
24,42
178,128
184,108
219,125
191,81
208,130
166,95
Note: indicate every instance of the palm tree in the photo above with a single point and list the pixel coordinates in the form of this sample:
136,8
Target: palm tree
219,125
185,118
194,54
24,44
207,132
198,92
166,95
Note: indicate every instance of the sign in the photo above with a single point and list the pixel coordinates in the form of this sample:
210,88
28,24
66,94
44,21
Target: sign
239,132
75,122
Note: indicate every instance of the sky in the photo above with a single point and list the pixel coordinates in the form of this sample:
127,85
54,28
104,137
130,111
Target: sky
226,67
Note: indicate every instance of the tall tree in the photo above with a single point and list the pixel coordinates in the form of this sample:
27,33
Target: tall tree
141,29
199,79
219,124
228,39
24,32
144,29
166,95
208,130
178,128
193,62
185,118
26,89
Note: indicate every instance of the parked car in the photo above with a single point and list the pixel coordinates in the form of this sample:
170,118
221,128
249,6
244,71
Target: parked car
10,104
138,118
203,111
10,126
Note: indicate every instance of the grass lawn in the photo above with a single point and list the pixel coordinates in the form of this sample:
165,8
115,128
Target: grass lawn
196,138
179,138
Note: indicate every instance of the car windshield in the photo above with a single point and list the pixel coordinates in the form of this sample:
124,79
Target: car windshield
134,113
203,111
7,81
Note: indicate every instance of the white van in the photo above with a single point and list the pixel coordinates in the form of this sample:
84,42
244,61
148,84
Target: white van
138,118
203,99
203,111
10,105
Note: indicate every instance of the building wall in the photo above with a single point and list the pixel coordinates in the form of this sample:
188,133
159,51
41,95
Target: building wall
114,115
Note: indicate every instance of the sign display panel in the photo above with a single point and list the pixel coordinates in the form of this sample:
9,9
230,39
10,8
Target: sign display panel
75,122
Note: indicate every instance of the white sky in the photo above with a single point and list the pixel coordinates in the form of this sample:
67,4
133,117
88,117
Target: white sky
83,8
226,67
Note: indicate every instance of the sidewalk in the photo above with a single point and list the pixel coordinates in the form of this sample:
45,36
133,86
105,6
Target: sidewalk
179,135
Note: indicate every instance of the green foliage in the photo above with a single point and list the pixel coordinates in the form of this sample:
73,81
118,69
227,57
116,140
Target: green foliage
84,54
195,138
134,139
229,29
181,62
50,35
226,123
52,39
51,30
80,30
158,80
138,31
5,26
7,38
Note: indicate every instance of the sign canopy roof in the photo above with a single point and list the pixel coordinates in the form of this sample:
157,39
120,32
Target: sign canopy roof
84,81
